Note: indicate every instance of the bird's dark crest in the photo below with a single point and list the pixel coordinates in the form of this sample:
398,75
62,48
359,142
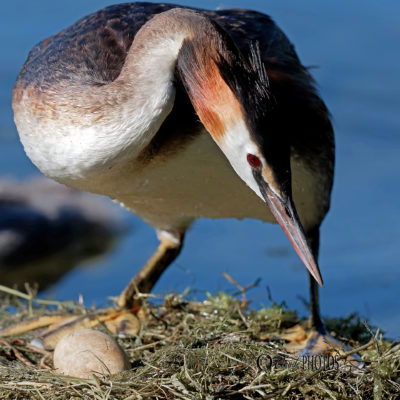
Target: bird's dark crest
249,82
246,78
257,63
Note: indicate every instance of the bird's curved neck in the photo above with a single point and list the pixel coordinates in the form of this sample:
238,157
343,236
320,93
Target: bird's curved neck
143,94
178,44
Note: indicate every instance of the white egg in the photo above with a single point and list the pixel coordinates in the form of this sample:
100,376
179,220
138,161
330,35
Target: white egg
85,352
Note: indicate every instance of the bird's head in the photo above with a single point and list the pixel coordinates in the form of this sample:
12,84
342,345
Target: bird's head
232,99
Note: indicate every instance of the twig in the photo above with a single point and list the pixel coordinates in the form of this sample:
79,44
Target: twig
194,383
25,296
242,317
37,349
17,353
349,353
147,346
240,362
242,289
42,363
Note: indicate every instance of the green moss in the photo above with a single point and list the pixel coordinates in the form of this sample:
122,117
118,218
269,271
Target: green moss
205,350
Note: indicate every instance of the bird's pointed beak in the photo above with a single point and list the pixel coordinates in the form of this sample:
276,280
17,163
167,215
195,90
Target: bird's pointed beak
285,213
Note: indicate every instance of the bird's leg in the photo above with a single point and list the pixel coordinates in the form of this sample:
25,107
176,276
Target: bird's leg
318,341
169,248
314,320
121,322
314,338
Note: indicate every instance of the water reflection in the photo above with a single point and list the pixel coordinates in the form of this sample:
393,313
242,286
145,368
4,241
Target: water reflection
47,229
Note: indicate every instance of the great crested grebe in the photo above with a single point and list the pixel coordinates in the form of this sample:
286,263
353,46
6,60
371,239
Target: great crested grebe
178,114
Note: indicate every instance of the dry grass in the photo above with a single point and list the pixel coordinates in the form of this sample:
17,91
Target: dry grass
203,350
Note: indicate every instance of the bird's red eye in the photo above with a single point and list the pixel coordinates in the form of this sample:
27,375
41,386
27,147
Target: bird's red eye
253,160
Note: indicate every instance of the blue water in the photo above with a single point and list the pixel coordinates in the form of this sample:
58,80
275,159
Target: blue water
355,46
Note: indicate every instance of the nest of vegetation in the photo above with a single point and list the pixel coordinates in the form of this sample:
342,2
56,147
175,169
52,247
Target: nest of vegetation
203,350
